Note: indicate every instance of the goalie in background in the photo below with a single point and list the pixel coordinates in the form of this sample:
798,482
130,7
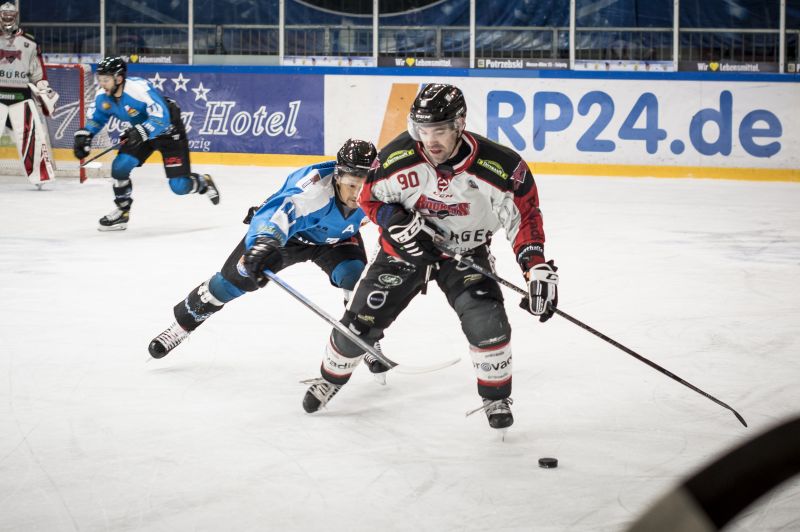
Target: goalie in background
155,125
23,84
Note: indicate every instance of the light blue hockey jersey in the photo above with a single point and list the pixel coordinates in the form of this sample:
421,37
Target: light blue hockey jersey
305,208
140,103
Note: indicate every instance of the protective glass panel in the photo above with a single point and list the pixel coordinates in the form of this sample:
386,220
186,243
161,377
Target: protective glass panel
793,35
411,30
745,31
236,27
157,28
78,30
624,30
522,30
328,28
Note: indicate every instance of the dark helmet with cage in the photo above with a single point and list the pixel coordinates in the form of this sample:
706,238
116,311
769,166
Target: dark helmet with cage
9,18
438,105
355,158
112,66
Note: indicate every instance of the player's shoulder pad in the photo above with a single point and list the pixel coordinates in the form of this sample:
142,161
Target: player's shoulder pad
138,88
28,35
495,163
309,177
399,153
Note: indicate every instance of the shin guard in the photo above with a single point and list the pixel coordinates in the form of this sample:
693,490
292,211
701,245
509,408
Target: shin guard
336,367
198,306
493,369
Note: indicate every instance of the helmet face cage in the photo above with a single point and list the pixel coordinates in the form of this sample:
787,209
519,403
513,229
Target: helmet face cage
8,17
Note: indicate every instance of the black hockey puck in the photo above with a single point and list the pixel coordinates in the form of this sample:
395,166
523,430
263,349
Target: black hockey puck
548,463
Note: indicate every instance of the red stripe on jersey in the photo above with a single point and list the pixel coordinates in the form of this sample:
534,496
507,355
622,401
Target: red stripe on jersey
531,227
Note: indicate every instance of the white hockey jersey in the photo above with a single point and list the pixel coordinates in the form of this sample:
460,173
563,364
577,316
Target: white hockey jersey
488,187
20,62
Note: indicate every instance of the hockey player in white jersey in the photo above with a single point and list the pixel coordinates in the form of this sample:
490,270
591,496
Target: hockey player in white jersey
23,85
465,187
313,217
155,125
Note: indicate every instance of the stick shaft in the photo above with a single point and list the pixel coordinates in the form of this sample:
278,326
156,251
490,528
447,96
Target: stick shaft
469,262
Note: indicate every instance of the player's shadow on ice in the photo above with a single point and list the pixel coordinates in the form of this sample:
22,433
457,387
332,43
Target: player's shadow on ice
133,233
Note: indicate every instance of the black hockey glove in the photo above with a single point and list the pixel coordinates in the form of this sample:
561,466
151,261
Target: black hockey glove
135,136
82,144
542,298
255,259
406,233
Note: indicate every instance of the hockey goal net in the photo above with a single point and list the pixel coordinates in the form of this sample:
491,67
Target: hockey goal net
76,87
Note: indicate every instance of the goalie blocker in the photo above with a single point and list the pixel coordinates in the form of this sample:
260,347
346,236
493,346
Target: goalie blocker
32,140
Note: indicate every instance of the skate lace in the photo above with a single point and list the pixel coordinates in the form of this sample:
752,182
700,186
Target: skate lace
374,362
116,215
322,389
499,406
172,336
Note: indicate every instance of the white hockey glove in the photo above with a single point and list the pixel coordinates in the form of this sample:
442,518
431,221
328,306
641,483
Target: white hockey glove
404,231
46,95
542,298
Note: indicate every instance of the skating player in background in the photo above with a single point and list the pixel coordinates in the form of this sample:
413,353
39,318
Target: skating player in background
314,216
23,84
155,125
465,187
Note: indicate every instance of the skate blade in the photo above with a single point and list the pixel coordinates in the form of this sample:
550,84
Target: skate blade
107,228
380,378
501,434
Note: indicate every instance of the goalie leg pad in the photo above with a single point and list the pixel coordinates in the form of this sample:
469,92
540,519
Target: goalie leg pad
33,141
198,306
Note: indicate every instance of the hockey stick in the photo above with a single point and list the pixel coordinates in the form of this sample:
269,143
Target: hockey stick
391,364
490,274
90,162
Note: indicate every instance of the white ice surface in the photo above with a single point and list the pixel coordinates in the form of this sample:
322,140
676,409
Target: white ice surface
699,276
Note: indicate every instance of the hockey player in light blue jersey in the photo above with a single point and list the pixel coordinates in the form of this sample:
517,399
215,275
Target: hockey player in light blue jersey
315,216
155,125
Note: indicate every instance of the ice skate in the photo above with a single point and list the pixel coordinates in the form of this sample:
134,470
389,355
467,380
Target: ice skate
168,340
318,394
498,412
211,189
116,220
376,367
